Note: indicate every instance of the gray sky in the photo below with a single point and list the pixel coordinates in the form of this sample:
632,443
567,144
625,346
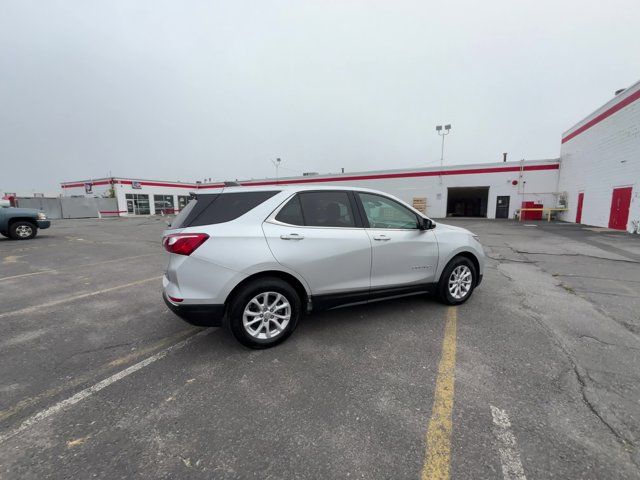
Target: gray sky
184,90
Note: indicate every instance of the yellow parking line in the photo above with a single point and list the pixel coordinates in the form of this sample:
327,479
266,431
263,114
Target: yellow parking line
438,454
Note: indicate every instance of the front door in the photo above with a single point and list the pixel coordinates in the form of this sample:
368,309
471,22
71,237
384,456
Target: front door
620,203
579,209
502,207
315,234
403,255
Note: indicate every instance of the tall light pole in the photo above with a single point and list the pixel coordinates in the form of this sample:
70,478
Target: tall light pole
443,133
276,163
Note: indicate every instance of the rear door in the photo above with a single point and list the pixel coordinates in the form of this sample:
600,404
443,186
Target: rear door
318,235
403,255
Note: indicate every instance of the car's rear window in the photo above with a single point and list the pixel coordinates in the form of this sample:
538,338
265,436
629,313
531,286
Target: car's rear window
209,209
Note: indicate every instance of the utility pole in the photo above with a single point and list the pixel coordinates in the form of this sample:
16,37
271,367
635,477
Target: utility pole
276,163
443,133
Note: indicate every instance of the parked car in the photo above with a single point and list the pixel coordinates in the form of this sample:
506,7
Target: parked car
21,223
256,260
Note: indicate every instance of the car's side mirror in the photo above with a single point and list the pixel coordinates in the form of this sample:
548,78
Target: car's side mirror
426,224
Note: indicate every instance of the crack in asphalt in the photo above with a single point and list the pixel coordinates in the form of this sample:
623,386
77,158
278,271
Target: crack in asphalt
607,343
582,382
524,252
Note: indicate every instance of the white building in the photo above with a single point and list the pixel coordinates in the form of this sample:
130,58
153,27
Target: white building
462,190
596,178
600,165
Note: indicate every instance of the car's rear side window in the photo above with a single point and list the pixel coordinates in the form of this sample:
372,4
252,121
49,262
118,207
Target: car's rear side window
210,209
327,209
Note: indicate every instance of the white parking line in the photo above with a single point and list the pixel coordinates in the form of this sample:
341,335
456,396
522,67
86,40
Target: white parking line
56,270
97,387
508,448
76,297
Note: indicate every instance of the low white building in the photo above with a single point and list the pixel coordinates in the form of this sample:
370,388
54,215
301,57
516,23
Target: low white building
600,165
597,179
492,190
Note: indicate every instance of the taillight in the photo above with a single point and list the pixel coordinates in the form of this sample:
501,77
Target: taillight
183,243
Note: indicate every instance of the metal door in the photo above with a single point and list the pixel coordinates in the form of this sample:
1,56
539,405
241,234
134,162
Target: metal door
502,207
620,203
579,210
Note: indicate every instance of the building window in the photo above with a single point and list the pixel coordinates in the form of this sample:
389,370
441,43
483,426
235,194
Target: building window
137,204
182,201
163,204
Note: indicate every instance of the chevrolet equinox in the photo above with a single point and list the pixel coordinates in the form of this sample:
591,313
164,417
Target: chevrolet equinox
254,260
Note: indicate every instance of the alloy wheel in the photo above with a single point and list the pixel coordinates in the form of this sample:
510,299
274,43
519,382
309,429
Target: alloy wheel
460,282
266,315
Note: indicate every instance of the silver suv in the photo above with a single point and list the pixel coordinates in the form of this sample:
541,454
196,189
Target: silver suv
255,260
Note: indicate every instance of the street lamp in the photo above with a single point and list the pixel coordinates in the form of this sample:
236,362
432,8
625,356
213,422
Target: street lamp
276,163
443,133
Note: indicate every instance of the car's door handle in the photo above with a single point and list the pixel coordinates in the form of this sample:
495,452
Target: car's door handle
291,236
382,238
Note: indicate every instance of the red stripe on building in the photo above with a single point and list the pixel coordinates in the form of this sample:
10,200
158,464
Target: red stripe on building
347,178
468,171
606,114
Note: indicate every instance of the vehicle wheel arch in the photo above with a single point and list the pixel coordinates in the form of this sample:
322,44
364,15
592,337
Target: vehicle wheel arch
472,258
466,254
13,220
297,285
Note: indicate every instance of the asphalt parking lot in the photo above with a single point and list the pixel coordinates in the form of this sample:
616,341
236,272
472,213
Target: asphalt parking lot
537,376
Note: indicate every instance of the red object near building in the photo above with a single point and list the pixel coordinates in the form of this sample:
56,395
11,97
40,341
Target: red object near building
620,203
579,210
531,215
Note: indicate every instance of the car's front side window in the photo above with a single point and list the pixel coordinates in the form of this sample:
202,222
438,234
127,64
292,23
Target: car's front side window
327,209
383,212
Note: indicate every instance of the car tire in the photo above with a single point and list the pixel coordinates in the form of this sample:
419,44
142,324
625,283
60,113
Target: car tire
457,281
22,230
264,312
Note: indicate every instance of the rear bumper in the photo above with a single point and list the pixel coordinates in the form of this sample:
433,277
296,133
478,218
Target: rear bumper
199,315
42,224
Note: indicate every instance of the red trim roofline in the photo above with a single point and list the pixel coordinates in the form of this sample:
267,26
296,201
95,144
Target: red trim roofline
606,114
467,171
340,178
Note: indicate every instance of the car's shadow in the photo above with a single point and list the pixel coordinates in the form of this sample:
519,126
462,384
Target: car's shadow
405,312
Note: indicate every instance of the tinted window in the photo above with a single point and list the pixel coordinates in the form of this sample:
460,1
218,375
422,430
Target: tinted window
219,208
383,212
291,213
327,209
184,213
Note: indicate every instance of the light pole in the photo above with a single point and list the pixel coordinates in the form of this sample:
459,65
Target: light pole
276,163
443,133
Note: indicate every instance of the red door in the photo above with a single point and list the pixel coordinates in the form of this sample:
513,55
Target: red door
579,211
620,202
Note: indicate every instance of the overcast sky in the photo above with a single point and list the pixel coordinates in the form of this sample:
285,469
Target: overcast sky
186,90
